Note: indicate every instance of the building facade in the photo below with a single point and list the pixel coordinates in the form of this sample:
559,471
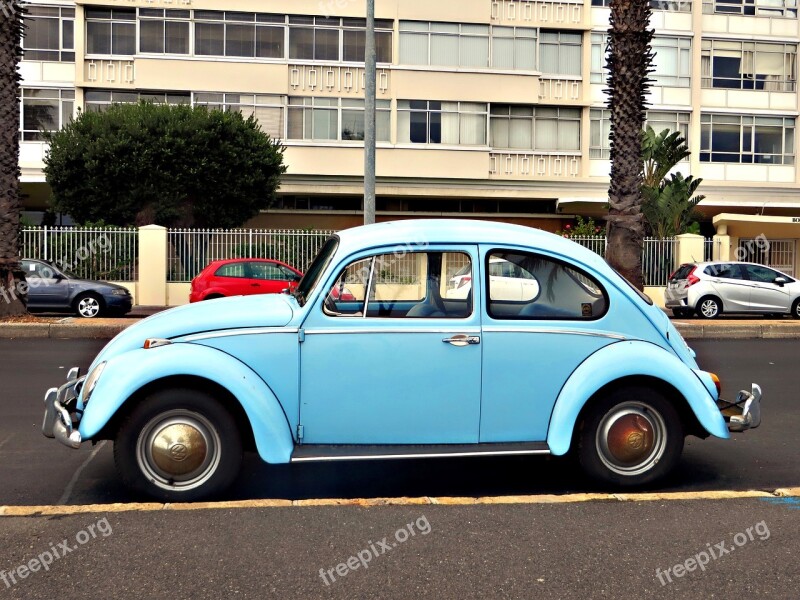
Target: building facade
486,108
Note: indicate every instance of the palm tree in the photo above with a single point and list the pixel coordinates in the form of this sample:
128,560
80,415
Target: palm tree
12,301
629,62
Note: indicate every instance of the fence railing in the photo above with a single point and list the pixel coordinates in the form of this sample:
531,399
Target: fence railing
595,243
108,253
658,260
190,250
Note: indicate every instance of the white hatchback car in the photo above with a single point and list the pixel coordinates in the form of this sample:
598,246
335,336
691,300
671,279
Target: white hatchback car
710,288
508,281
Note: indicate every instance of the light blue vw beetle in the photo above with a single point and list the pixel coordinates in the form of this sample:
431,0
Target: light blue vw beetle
404,339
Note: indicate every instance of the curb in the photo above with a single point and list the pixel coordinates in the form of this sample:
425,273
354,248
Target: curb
63,510
690,331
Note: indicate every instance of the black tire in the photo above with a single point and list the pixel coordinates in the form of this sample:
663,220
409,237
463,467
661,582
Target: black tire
88,306
709,307
682,313
638,457
796,309
213,297
203,441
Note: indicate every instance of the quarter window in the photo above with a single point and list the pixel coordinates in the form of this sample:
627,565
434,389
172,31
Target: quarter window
232,270
531,286
724,271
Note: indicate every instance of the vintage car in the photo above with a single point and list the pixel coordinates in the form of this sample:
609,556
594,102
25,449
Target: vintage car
588,366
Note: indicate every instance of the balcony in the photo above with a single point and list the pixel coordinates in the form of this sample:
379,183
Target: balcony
533,165
334,80
539,13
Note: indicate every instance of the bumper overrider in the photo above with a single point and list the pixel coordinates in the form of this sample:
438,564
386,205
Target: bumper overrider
743,413
61,414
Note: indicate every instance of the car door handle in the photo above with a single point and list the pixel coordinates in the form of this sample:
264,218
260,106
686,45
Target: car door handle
255,285
463,340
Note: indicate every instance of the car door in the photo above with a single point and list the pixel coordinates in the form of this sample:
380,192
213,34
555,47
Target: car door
232,279
47,287
729,283
765,294
532,345
397,362
265,278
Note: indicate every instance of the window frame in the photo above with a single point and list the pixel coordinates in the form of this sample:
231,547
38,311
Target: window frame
309,103
712,49
113,20
66,96
747,133
66,16
430,112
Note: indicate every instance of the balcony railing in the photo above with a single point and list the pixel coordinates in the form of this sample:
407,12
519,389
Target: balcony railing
533,165
535,12
334,80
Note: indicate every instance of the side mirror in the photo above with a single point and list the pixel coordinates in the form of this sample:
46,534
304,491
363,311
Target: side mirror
780,281
297,278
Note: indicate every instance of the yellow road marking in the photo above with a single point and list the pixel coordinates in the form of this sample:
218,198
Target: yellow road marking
53,510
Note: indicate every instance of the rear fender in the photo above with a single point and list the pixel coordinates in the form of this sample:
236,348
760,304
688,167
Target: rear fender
631,359
129,372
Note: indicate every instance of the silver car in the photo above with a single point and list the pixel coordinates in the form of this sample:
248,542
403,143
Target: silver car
708,289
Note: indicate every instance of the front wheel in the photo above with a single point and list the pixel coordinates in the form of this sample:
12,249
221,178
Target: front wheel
178,445
630,437
88,306
796,309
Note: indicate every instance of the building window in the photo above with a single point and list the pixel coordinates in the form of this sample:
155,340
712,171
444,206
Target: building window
672,63
45,110
239,34
164,31
560,53
111,32
335,39
659,120
737,139
761,8
444,44
666,5
540,128
334,119
599,73
98,100
268,110
514,48
433,122
49,34
749,65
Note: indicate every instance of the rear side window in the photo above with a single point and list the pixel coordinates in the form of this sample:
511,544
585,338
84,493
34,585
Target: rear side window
725,271
231,270
537,287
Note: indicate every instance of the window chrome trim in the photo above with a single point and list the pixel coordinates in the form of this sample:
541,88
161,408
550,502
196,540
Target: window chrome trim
455,328
534,329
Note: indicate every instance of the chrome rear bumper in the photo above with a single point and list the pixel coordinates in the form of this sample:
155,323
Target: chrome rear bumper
61,417
743,413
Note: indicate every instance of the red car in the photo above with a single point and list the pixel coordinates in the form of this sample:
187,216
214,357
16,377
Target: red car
243,277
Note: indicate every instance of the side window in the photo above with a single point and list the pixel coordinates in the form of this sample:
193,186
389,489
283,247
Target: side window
538,287
761,274
724,271
404,285
37,269
287,274
231,270
265,270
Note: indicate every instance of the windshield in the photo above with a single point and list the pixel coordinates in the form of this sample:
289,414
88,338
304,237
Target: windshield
315,271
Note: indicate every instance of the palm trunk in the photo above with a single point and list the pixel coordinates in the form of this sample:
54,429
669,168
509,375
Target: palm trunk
629,61
12,279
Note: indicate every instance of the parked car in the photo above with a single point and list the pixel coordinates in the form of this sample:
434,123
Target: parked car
243,277
509,282
709,289
53,289
589,367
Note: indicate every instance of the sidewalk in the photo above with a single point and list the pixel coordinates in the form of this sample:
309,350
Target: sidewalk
67,327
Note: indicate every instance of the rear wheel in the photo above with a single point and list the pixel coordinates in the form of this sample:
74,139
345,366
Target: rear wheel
709,307
630,437
682,313
88,306
178,445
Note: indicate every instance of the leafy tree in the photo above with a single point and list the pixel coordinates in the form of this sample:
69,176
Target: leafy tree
668,202
629,62
12,279
170,165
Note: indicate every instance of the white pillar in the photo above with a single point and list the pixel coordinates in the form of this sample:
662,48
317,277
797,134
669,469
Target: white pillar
152,266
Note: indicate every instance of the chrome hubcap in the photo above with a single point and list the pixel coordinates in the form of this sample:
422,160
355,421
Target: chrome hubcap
709,308
178,449
631,438
89,307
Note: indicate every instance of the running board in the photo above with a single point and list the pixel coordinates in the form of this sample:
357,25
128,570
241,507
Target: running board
329,452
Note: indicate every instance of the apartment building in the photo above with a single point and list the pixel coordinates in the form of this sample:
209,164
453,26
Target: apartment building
486,108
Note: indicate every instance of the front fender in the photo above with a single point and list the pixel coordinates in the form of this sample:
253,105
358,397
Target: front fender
127,373
626,359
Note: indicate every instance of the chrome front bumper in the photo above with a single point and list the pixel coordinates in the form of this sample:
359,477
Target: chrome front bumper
743,413
61,417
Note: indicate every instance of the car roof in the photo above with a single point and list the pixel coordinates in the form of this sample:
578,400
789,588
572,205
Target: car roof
227,261
418,232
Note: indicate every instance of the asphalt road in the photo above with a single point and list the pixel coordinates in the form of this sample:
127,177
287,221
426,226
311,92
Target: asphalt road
35,470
